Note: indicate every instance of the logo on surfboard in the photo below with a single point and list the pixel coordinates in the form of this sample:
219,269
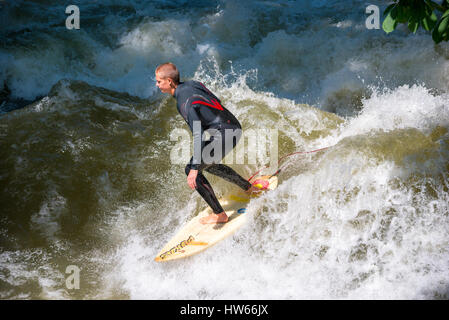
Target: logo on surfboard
182,244
177,248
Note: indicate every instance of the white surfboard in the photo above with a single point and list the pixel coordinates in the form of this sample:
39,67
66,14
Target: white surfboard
195,237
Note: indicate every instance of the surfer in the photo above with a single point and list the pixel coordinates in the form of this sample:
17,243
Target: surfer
202,111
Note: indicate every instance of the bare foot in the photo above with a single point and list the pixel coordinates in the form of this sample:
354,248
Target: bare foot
214,218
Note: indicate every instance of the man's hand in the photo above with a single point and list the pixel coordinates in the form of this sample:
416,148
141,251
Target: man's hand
191,179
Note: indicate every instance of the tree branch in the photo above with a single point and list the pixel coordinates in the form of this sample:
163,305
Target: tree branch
441,8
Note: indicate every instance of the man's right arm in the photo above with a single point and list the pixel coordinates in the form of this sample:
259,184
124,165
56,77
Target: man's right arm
197,132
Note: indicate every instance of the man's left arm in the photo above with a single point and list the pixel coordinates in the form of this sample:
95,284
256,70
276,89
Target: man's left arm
197,132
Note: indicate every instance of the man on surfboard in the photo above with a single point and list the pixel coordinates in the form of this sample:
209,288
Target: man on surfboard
202,111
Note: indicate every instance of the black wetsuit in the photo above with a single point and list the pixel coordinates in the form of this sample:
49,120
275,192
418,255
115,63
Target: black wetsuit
203,111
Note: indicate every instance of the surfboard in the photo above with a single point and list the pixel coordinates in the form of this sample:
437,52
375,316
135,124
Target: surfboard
195,237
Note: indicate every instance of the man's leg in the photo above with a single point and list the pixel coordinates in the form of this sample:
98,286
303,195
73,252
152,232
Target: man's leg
203,186
205,190
207,193
227,173
228,139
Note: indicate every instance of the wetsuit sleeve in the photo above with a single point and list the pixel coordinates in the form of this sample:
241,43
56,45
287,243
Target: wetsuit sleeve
197,132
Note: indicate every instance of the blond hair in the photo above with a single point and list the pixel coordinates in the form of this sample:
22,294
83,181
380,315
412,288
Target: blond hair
168,70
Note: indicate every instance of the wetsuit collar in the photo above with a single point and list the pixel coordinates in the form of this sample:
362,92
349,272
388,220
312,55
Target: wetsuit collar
176,90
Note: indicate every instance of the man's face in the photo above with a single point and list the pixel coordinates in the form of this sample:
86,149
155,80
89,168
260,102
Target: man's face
164,84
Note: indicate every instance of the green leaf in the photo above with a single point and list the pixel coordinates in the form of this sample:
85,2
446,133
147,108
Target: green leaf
436,36
416,13
441,30
429,22
428,10
389,24
394,12
445,14
403,14
442,26
388,9
413,26
445,36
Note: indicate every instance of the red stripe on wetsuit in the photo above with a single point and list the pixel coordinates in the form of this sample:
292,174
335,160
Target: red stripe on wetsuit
214,104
